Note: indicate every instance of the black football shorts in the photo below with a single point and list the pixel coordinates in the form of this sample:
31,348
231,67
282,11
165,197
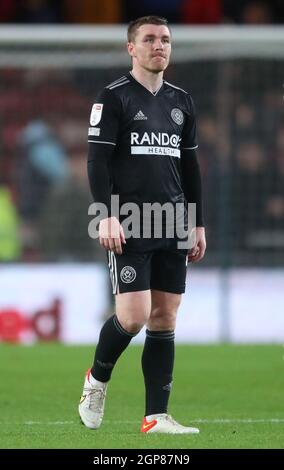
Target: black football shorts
159,269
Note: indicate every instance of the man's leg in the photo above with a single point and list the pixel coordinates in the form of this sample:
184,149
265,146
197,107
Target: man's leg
132,312
158,353
158,363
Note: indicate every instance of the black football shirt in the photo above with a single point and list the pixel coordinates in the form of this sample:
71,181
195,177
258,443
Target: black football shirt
148,132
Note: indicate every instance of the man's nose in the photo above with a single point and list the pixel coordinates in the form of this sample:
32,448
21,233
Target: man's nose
159,44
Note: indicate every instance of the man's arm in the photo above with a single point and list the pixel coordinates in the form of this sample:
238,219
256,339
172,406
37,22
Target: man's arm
192,187
98,172
102,137
111,233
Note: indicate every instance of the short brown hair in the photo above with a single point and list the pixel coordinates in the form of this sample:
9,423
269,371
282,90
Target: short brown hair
135,24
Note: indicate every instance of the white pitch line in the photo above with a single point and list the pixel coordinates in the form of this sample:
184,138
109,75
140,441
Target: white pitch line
218,421
244,421
49,423
201,421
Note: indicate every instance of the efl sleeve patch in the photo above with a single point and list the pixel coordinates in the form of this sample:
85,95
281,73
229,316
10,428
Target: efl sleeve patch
96,114
105,117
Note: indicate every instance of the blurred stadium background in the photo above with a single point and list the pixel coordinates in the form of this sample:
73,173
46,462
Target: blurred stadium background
53,280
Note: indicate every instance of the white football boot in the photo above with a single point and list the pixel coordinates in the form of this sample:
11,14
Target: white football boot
164,423
92,402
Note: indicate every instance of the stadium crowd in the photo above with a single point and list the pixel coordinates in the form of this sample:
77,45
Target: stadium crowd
118,11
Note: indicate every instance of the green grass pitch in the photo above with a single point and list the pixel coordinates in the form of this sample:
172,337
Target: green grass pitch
233,393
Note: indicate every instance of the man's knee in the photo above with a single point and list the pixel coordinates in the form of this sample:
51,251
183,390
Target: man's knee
132,324
162,319
133,310
164,311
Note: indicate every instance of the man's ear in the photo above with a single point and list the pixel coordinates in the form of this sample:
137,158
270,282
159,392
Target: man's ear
130,48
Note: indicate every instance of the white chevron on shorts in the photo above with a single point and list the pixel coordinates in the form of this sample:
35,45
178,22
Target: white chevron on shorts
113,270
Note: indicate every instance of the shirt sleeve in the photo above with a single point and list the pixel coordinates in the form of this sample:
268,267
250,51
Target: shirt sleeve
189,140
102,138
105,118
192,183
99,174
191,177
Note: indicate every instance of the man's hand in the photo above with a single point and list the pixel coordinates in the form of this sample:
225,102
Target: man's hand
197,252
111,235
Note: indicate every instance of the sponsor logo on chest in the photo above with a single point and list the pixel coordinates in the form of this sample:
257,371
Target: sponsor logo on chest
155,143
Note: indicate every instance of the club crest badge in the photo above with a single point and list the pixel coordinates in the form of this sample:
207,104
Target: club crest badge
177,116
127,274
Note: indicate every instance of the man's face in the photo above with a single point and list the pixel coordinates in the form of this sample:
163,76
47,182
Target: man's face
151,48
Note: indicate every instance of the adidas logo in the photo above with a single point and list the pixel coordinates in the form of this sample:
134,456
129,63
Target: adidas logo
140,116
168,387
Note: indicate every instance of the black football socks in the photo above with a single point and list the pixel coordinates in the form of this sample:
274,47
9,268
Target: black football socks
157,366
113,340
